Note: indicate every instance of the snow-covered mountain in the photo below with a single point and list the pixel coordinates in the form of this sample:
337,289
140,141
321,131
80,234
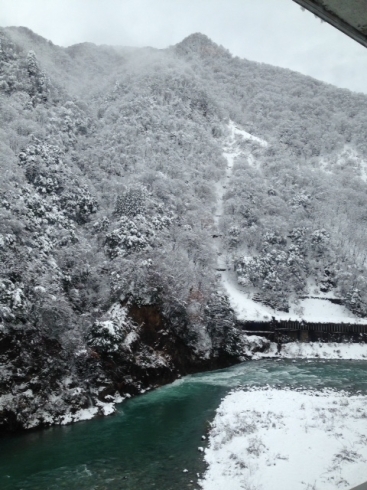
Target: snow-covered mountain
129,177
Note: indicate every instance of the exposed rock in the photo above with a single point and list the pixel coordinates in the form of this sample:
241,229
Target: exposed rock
42,384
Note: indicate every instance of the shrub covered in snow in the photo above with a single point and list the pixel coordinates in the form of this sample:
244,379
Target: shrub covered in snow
274,273
108,335
132,202
132,235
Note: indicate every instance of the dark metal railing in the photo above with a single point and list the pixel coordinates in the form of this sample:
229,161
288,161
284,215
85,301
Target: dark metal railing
288,325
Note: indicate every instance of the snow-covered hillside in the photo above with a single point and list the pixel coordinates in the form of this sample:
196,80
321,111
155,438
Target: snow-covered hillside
349,158
144,187
315,306
317,310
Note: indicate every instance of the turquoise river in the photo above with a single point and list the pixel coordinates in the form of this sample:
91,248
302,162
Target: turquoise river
155,436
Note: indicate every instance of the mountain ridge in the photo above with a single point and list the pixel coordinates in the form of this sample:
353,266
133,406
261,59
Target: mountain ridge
111,162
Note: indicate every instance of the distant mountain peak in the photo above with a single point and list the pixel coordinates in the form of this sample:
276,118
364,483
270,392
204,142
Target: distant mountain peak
21,32
197,38
201,44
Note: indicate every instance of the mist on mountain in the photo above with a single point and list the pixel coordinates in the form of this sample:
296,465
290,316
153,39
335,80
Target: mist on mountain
110,158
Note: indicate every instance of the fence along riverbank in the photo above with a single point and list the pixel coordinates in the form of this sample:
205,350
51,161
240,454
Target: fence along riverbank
305,331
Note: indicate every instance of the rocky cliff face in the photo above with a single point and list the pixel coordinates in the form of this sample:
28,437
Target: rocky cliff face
43,384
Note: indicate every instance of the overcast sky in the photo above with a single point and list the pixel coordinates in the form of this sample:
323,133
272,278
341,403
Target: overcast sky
272,31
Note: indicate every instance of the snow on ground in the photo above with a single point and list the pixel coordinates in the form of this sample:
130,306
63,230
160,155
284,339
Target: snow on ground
319,310
83,414
309,309
231,150
102,408
348,158
315,292
237,131
244,307
265,439
49,414
312,309
363,168
316,350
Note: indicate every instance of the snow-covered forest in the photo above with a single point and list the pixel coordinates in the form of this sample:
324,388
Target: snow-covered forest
110,163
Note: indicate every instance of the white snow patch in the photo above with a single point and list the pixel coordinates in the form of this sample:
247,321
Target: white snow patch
235,130
322,310
110,327
6,400
314,350
116,398
83,414
318,310
348,159
117,313
17,297
67,381
244,307
363,170
265,439
81,352
102,408
313,290
106,408
130,338
231,150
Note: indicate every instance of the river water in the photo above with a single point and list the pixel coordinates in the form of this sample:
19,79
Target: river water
153,437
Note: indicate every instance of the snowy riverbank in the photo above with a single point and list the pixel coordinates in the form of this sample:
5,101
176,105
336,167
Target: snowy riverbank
315,350
287,440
